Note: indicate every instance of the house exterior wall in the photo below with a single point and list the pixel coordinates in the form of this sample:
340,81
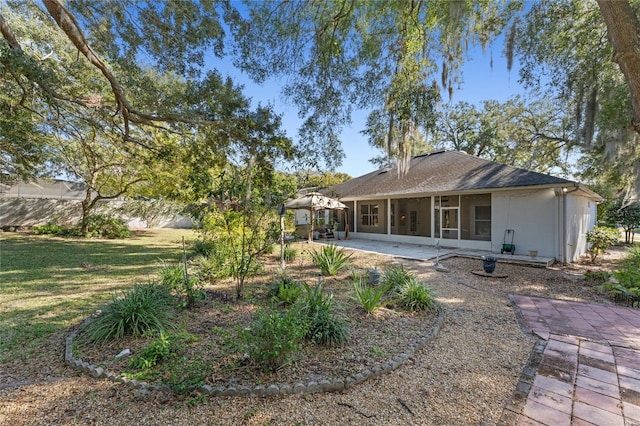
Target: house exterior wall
551,221
532,214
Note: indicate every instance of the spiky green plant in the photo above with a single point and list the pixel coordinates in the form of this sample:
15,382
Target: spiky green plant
370,298
416,296
330,259
325,323
395,277
142,309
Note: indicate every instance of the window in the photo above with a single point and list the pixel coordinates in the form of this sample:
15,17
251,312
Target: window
483,220
369,214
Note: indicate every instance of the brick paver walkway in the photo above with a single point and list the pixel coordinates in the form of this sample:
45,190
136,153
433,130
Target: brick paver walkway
587,372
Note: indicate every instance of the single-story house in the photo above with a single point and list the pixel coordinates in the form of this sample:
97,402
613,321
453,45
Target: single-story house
462,201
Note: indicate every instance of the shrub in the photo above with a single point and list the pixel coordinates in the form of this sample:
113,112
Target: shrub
51,228
154,352
106,226
416,296
218,264
285,290
370,298
142,309
273,337
330,259
325,325
48,229
600,239
327,328
204,247
290,254
395,278
269,249
188,289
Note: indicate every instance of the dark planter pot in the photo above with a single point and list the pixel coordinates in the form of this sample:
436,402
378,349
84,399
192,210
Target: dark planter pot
489,264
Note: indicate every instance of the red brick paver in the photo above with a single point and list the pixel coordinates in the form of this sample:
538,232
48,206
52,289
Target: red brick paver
589,372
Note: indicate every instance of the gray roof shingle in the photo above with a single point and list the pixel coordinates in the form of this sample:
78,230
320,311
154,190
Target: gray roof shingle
444,171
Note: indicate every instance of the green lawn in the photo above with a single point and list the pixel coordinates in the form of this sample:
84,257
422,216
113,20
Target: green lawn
49,284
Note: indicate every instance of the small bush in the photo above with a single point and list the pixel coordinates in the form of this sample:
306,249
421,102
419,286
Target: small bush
273,338
144,308
269,249
330,259
327,328
285,290
219,262
105,226
370,298
51,228
188,289
416,296
290,254
48,229
600,239
325,324
395,278
204,247
153,353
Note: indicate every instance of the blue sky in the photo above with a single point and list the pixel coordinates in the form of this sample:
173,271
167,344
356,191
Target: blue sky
481,82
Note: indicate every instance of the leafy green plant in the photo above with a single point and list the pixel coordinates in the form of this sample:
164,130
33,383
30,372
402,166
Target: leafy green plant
325,324
330,259
395,277
370,298
273,337
285,290
357,275
48,229
597,275
143,308
188,289
600,239
416,296
204,247
106,226
154,352
328,328
290,254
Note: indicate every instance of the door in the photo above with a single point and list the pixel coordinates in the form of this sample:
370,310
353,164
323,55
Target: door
450,220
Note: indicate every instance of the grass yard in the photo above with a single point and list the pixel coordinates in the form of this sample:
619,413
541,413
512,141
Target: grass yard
49,284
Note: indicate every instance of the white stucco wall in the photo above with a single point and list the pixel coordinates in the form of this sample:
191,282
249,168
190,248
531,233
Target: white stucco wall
532,214
37,211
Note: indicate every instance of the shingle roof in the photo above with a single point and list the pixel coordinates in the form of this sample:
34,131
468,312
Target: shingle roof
444,171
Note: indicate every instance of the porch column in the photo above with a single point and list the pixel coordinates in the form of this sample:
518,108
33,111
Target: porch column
433,218
388,216
355,216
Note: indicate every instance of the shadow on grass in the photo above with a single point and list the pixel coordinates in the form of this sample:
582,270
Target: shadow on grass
49,284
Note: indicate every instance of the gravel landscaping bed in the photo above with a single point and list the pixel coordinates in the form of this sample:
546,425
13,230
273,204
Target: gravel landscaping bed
465,375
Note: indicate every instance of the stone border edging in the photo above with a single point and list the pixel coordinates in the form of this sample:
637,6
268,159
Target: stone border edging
310,387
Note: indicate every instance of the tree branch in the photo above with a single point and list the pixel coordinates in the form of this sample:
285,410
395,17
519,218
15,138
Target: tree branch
8,34
622,31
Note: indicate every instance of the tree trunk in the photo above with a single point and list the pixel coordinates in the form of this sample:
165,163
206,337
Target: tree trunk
622,31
